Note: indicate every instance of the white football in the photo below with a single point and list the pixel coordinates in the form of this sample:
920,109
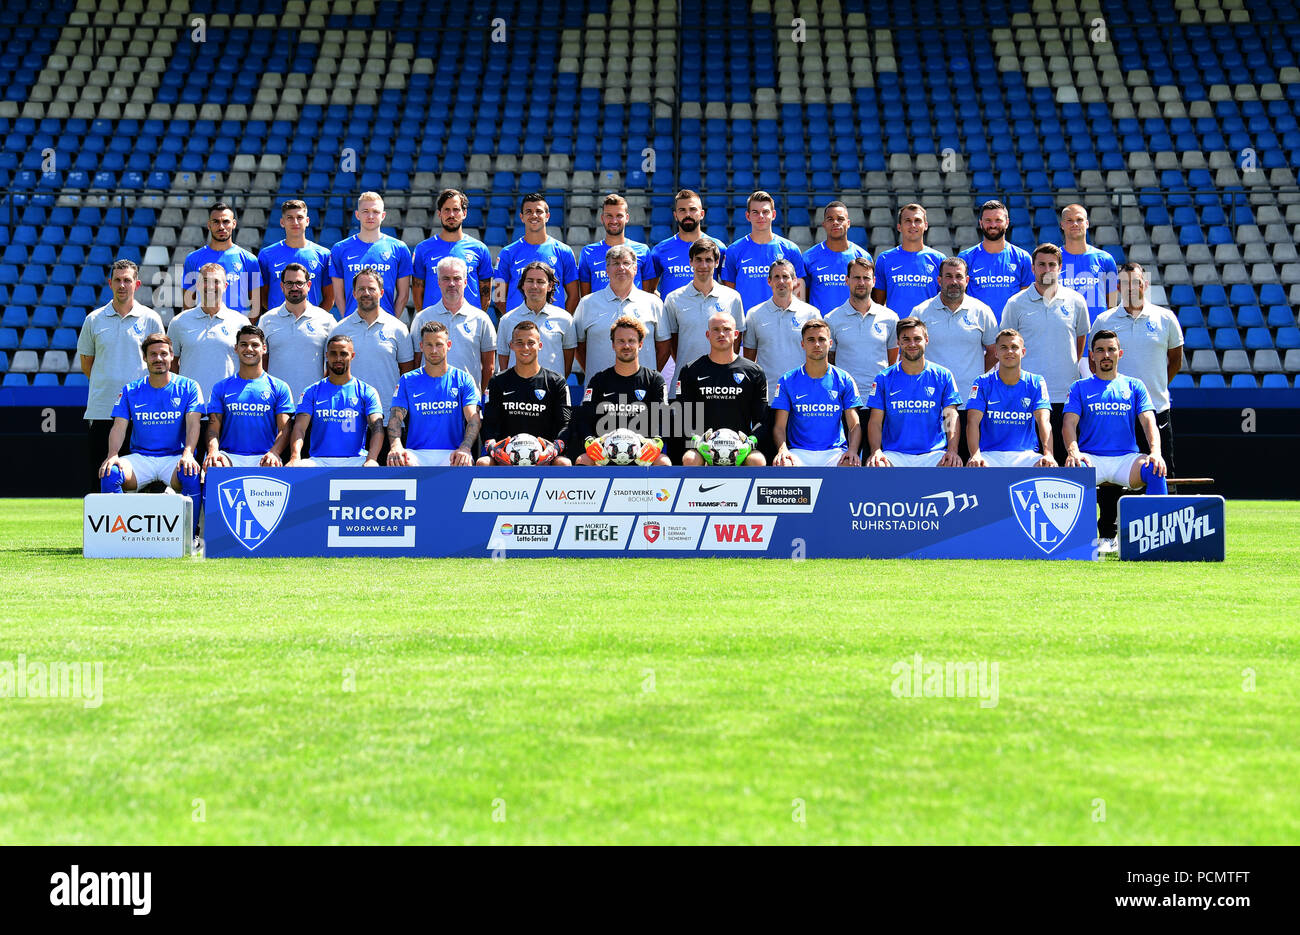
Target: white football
622,446
524,450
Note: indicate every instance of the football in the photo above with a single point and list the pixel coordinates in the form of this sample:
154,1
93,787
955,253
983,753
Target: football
622,446
525,451
723,444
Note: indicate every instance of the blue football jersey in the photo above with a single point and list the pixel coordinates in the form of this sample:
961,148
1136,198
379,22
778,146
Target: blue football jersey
434,406
243,274
591,264
826,269
913,406
816,407
671,263
157,414
273,259
474,253
387,254
1008,420
515,256
248,409
339,416
748,264
908,278
1108,412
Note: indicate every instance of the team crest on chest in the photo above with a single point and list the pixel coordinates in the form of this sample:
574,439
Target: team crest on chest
738,377
639,394
540,394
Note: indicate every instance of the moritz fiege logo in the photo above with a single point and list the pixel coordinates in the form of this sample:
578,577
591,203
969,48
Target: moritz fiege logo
79,887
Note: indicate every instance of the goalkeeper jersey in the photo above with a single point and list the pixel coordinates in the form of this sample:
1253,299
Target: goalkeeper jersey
612,401
722,396
536,405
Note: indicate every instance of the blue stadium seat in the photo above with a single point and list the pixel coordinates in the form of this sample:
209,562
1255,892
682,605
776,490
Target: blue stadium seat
1220,316
76,378
1286,338
1189,316
1250,316
1280,316
45,379
1272,294
1258,339
1213,294
1274,381
63,339
45,316
1181,295
1197,339
1182,381
1212,381
1242,294
1226,339
15,379
1244,381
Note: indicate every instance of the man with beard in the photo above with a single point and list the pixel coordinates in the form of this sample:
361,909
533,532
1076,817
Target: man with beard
381,344
863,330
961,333
345,415
670,258
997,270
441,403
913,421
626,395
1100,416
472,335
243,276
526,399
592,276
453,207
825,262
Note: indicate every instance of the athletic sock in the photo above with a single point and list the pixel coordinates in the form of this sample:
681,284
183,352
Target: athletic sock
112,481
191,488
1155,483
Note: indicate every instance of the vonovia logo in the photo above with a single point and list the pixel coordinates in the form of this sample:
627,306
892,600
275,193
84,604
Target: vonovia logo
1047,509
252,507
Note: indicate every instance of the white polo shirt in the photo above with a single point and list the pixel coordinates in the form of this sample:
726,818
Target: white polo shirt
957,338
689,311
862,340
774,332
554,324
114,341
205,345
1146,340
1051,329
471,333
295,345
596,314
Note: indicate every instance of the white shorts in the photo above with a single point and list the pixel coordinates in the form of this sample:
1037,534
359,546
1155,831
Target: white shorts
243,460
1011,458
1114,469
804,457
927,459
148,468
350,461
430,457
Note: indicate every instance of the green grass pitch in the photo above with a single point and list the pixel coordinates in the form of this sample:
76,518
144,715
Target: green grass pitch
651,701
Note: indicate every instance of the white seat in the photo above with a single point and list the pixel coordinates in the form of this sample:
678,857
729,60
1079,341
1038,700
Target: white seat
25,362
1236,361
1291,362
1267,361
55,362
1205,361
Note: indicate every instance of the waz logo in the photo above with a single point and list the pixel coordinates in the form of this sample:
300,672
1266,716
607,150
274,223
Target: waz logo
252,507
1047,509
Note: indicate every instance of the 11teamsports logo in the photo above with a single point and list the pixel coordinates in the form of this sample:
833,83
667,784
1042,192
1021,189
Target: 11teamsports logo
252,507
1047,509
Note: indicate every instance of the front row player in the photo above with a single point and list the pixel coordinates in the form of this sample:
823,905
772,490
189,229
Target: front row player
813,406
1099,425
248,414
913,421
442,403
345,415
626,396
166,409
1006,405
527,399
723,390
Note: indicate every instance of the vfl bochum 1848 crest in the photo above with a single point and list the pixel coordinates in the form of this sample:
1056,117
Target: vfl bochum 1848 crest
640,394
252,507
738,377
1047,509
540,394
